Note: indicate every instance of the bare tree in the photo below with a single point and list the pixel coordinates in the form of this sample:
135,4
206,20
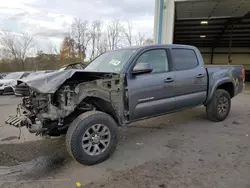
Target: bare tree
37,50
95,33
4,53
140,38
114,30
148,41
102,45
52,49
8,41
128,33
18,46
80,34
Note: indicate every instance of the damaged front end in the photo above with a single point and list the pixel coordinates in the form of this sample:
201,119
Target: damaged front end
46,114
28,112
52,112
21,119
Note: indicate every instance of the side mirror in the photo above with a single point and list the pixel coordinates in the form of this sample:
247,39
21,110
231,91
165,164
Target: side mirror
141,68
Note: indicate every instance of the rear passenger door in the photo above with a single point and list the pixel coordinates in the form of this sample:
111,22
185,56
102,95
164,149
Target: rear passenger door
191,80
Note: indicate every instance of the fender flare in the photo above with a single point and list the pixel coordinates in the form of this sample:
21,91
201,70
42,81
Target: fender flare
216,85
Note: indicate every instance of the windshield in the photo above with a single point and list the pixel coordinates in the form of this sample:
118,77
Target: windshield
112,61
15,75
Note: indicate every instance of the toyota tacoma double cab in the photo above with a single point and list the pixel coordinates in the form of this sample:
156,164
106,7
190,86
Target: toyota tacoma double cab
120,87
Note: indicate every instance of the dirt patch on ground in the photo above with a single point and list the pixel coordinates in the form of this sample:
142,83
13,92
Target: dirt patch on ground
13,154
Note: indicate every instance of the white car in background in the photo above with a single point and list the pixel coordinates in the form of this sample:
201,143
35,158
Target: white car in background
9,82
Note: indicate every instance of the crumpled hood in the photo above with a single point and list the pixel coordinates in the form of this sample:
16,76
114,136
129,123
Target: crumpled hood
50,82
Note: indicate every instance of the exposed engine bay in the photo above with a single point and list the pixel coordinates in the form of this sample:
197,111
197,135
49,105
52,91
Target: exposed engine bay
51,113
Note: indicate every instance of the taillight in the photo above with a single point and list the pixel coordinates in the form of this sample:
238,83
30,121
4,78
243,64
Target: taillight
243,75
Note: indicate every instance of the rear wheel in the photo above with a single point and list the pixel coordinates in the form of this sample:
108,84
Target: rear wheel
220,105
92,137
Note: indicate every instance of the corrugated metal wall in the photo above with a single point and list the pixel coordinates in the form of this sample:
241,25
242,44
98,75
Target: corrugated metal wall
220,59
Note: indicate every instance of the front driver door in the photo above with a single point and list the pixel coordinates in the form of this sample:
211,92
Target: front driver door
152,93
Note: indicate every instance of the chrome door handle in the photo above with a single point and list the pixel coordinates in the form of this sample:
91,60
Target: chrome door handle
200,75
168,80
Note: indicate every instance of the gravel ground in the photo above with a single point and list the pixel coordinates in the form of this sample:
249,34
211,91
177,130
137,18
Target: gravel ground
178,150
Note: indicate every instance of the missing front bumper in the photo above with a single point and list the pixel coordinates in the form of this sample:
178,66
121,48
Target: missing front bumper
24,121
18,121
15,121
21,119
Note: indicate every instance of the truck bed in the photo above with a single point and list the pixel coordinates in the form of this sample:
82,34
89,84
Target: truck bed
218,74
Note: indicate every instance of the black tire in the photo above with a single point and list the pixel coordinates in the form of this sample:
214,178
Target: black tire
77,130
213,113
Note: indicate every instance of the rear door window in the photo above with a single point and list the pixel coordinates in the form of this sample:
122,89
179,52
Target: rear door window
184,59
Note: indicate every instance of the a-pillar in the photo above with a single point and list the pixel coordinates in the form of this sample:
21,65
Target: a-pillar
164,21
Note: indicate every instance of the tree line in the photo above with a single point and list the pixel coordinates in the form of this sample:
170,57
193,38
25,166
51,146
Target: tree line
84,41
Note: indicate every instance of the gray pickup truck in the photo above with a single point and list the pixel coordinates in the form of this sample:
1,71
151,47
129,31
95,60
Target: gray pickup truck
120,87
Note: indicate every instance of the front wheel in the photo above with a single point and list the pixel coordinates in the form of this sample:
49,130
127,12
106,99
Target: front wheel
220,105
92,137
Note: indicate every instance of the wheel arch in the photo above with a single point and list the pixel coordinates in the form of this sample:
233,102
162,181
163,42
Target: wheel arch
226,84
103,106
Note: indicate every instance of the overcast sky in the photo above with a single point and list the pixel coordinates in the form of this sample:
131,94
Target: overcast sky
49,20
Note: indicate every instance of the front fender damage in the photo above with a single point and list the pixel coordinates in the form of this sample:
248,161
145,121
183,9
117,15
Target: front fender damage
46,112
